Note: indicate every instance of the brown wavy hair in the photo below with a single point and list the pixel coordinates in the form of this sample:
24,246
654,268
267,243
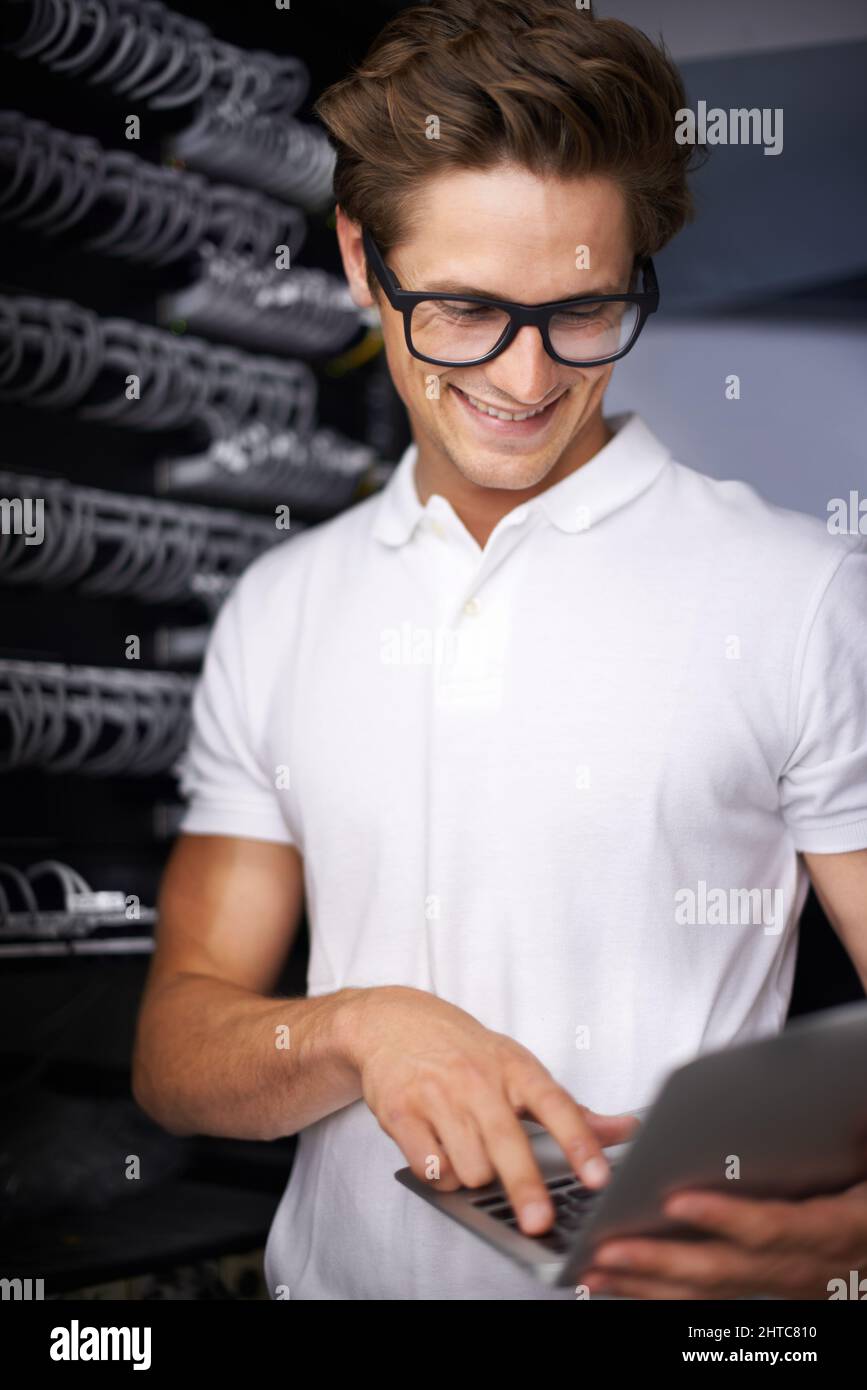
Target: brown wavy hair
536,82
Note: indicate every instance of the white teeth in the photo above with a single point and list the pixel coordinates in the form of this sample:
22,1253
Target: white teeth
503,414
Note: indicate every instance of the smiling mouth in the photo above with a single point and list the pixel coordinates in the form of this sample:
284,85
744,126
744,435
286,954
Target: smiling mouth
511,416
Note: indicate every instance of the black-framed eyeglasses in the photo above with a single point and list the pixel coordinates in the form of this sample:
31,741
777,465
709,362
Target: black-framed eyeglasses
465,330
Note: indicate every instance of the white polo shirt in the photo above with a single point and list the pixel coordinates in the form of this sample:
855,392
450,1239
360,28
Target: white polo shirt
559,780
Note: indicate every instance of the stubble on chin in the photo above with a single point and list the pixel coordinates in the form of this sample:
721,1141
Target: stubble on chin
511,474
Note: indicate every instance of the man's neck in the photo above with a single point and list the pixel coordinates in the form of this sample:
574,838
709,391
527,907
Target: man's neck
480,508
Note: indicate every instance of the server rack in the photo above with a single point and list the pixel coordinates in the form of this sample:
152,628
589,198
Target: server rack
184,382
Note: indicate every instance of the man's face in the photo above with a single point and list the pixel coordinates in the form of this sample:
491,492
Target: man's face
509,234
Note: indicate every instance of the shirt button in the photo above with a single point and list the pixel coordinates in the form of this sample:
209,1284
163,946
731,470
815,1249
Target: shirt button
438,529
472,607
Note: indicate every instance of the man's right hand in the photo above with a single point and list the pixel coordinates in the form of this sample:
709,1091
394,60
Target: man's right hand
441,1084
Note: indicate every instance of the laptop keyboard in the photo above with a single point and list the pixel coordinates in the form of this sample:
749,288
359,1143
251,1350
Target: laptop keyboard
572,1203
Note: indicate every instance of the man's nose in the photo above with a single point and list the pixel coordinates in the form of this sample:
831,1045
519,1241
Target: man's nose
524,371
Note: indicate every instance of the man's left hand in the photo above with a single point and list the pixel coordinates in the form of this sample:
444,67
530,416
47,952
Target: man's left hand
780,1249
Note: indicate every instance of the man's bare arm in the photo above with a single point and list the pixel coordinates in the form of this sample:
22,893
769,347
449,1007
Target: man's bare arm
206,1058
439,1083
840,881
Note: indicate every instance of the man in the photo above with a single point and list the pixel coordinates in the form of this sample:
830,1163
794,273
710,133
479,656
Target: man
497,721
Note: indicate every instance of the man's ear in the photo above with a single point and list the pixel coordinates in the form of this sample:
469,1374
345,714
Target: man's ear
354,262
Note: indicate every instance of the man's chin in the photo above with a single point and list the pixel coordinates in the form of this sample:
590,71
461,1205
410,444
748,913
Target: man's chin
500,468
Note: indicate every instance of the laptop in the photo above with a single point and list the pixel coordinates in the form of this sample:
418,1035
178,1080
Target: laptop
791,1108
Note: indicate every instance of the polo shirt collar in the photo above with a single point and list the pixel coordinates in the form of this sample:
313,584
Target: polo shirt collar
623,468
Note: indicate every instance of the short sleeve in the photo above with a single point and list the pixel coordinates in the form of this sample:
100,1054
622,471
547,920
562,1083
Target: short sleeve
229,790
823,786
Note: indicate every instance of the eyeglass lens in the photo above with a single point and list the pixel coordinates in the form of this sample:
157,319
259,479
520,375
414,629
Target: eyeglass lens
456,330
